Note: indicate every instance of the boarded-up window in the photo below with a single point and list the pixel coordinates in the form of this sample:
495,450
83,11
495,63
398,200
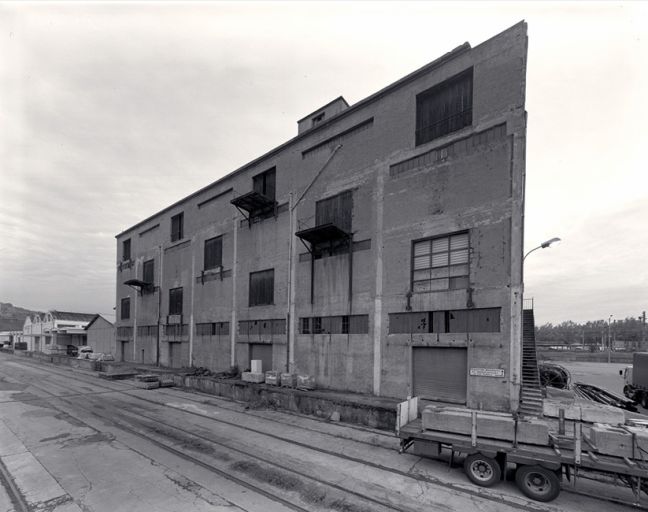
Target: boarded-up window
213,252
125,308
126,250
440,263
335,210
177,227
262,288
264,183
175,301
444,108
148,271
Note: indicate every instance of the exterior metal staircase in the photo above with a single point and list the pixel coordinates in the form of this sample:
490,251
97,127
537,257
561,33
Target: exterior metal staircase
531,393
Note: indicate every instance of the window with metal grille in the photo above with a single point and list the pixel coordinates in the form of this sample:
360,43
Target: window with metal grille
453,321
264,183
125,308
176,330
175,301
262,288
213,252
147,330
445,108
124,333
345,324
305,326
126,250
148,271
335,210
317,325
212,329
440,263
177,227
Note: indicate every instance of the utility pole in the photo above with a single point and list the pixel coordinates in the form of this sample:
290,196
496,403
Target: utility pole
642,319
609,339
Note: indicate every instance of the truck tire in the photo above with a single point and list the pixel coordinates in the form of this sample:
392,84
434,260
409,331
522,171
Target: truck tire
644,400
627,391
537,483
481,470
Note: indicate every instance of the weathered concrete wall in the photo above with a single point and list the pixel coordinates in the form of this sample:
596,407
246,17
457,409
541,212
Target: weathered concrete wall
470,180
101,336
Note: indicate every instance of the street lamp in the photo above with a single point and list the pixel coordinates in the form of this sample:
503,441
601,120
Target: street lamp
543,245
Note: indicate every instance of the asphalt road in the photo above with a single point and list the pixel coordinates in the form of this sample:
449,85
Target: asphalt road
70,441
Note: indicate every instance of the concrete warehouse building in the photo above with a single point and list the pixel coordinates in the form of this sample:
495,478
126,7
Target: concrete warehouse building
379,250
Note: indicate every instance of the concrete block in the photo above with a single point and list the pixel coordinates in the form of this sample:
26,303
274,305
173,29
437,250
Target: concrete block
273,378
599,413
148,377
166,383
533,431
459,421
288,380
617,441
305,382
551,409
146,385
253,377
256,366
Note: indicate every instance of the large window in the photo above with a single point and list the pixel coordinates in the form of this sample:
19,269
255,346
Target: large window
353,324
335,210
264,183
175,301
126,250
177,227
148,272
452,321
440,263
125,308
262,288
444,108
213,253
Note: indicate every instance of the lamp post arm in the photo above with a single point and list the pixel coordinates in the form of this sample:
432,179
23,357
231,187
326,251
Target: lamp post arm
534,249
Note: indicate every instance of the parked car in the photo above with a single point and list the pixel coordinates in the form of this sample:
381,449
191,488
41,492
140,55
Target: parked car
84,352
72,350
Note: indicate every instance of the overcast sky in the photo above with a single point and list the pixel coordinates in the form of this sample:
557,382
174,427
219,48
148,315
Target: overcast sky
110,112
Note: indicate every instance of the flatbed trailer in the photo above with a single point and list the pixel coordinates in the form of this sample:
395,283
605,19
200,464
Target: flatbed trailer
539,471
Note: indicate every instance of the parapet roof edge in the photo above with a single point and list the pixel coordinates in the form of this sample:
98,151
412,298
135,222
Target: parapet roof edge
459,50
323,107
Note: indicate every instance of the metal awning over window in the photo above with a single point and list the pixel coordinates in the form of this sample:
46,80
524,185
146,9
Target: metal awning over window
138,283
254,203
325,233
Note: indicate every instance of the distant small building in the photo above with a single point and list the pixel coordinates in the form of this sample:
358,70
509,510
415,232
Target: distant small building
55,328
8,338
101,335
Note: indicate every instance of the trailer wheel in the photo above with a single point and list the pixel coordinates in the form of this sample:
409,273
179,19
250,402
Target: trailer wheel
483,471
538,483
627,391
644,400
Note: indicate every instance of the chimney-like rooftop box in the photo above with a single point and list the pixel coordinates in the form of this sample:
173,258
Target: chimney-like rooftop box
322,114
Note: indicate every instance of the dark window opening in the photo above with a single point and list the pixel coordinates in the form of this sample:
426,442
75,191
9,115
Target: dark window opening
262,288
318,118
148,272
264,183
335,210
317,325
213,253
345,324
445,108
177,227
125,308
126,250
175,301
305,326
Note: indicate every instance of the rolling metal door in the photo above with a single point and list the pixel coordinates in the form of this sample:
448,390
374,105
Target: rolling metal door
264,352
440,373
